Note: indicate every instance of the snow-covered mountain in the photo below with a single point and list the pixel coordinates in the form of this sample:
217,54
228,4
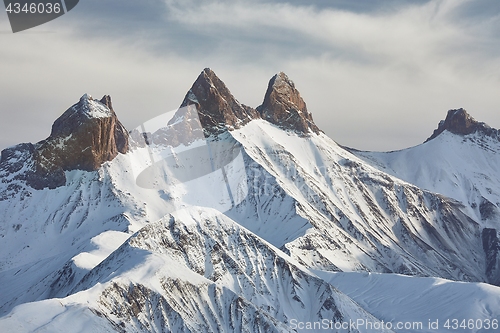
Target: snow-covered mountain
461,160
219,217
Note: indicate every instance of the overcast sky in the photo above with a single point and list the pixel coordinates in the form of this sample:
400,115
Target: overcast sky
376,74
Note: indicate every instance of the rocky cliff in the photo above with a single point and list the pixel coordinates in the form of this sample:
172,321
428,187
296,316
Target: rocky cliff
283,106
84,137
460,122
218,110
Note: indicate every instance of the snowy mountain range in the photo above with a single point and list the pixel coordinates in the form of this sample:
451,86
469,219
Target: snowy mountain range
220,217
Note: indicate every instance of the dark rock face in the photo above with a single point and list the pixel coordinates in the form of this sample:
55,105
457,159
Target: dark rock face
487,209
461,123
218,110
283,106
491,246
13,159
89,133
85,136
26,156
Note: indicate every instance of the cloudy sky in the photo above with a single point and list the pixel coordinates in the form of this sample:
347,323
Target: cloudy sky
376,74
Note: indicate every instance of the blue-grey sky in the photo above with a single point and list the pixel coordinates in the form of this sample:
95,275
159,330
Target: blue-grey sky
376,74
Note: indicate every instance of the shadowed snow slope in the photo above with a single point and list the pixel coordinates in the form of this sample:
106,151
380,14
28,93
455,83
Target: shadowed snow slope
361,218
465,168
196,271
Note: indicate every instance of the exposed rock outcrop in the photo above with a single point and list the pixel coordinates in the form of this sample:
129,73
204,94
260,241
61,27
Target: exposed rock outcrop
24,162
491,246
283,106
461,123
218,110
89,133
85,136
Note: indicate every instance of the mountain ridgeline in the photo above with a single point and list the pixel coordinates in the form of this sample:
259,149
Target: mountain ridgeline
89,133
254,245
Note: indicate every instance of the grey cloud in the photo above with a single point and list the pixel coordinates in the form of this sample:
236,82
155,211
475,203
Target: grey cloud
362,6
479,9
187,28
180,27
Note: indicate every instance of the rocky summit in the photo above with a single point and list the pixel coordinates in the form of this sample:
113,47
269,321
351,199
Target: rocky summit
283,106
459,122
92,134
89,132
83,138
218,110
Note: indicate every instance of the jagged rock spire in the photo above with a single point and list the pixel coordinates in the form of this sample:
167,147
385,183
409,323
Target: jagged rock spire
461,123
283,106
218,110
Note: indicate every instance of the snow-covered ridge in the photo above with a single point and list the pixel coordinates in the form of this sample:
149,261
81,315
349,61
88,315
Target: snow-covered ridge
426,305
362,219
209,275
466,168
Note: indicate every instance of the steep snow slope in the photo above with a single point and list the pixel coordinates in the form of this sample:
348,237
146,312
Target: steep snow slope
41,233
194,271
462,161
466,168
361,218
408,300
52,237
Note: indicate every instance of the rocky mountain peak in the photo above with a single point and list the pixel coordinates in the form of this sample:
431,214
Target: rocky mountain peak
83,137
80,113
91,133
459,122
218,110
93,108
283,106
